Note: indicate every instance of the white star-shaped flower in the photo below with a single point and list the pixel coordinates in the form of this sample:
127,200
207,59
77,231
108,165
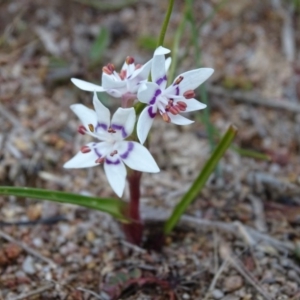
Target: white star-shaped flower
112,151
171,101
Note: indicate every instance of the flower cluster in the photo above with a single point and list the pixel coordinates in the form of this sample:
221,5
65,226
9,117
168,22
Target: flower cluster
131,84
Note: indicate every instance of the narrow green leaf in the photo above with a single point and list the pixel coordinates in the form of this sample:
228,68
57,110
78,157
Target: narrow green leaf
198,184
99,46
111,206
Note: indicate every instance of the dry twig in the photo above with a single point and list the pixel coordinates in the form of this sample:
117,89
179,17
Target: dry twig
28,249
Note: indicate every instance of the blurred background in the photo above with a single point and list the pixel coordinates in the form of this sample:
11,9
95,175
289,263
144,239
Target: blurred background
253,47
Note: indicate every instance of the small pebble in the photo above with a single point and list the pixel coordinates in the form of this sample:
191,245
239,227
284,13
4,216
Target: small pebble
28,265
217,294
233,283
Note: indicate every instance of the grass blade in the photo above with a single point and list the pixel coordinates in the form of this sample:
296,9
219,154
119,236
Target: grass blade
198,184
111,206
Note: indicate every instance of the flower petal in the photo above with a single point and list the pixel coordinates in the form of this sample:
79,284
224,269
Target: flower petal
158,70
194,104
148,92
179,120
103,114
168,63
143,72
85,160
145,122
192,79
161,51
86,115
137,157
116,175
87,86
123,122
110,82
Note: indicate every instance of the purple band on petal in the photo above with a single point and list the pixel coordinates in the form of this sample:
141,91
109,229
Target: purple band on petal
129,149
101,125
157,92
160,80
151,113
177,90
119,127
97,152
110,162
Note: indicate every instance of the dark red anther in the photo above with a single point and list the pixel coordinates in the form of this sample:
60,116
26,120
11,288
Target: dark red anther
81,129
100,160
129,60
113,153
138,66
181,105
110,130
111,67
189,94
178,80
106,70
174,110
85,149
123,74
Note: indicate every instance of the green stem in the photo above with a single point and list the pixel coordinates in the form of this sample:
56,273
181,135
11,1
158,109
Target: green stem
175,47
164,27
199,183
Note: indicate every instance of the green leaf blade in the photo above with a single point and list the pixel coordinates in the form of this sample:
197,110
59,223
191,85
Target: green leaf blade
199,183
111,206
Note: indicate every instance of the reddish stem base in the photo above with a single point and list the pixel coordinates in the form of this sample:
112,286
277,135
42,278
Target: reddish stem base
134,230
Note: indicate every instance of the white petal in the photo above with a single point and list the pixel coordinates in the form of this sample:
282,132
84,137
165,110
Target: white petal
115,93
110,82
86,115
194,104
168,63
179,120
158,70
161,51
137,157
143,72
192,79
148,92
123,122
145,122
116,175
87,86
85,160
103,113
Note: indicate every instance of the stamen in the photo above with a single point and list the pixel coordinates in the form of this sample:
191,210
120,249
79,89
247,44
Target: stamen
189,94
110,130
100,160
167,108
91,127
114,153
138,66
85,149
81,129
179,107
106,70
123,74
166,118
129,60
178,80
111,67
174,110
171,101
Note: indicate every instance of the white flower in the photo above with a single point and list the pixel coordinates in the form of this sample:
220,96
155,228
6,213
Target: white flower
171,101
119,85
112,151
